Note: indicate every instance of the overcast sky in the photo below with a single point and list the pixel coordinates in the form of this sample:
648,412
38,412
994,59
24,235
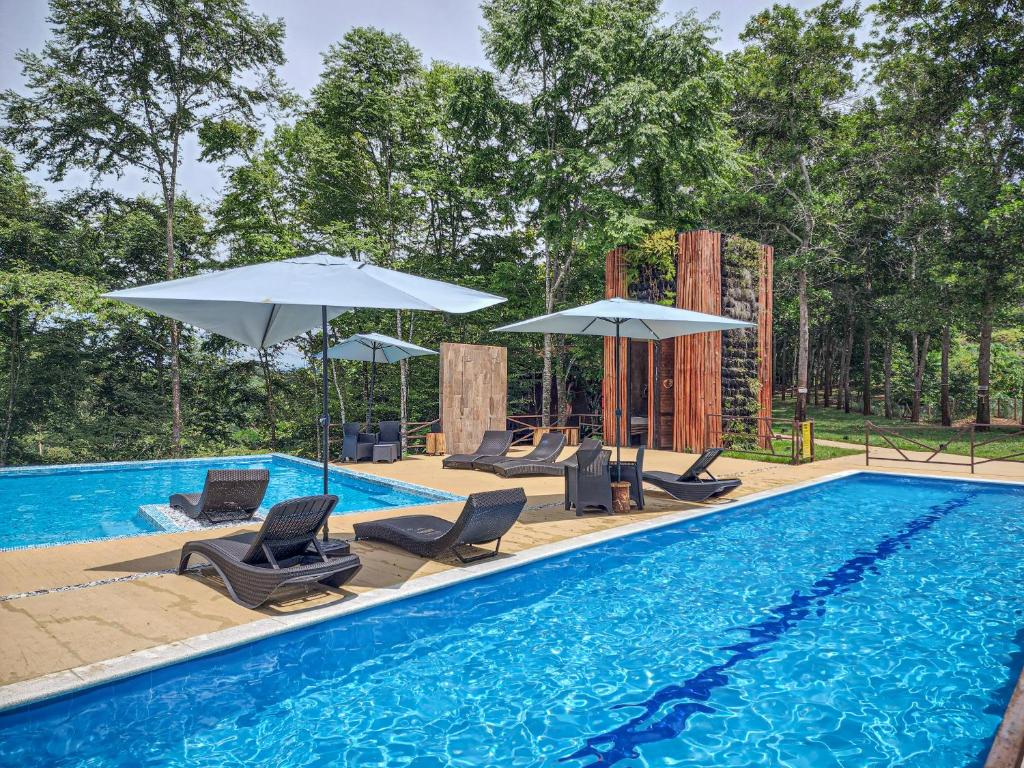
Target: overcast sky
448,30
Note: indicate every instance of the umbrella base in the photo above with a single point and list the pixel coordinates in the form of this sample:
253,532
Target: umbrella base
620,497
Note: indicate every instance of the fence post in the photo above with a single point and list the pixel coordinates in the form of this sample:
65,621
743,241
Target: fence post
867,445
972,449
795,442
812,441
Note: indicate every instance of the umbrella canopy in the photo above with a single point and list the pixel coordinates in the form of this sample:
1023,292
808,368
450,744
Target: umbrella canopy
265,304
371,348
376,347
628,319
623,318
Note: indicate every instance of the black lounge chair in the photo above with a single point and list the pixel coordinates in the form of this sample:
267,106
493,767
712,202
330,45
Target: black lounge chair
588,485
486,517
229,495
495,444
390,433
356,445
284,551
545,451
689,486
520,467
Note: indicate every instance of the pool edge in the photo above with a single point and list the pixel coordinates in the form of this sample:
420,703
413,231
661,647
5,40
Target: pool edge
56,684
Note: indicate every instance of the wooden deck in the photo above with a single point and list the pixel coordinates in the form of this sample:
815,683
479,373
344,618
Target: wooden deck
66,606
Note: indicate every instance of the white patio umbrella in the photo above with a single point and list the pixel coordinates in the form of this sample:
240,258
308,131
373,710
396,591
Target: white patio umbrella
623,318
371,347
265,304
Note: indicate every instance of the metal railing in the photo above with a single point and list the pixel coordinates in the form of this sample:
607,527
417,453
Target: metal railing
975,436
761,436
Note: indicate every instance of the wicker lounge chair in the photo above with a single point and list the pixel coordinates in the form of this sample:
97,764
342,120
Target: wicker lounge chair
228,495
632,472
284,551
486,517
390,433
356,445
689,486
546,450
496,443
519,467
589,484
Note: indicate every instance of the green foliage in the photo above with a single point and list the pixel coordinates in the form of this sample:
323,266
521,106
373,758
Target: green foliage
651,262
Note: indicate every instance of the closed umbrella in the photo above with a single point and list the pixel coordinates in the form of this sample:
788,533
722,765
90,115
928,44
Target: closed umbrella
623,318
371,347
265,304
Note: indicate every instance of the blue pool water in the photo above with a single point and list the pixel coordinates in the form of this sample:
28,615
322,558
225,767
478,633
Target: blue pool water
56,505
868,621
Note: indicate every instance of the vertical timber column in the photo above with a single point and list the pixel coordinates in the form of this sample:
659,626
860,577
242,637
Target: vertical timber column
765,345
614,287
698,357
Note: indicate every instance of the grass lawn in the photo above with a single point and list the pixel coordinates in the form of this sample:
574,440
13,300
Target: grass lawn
830,424
783,448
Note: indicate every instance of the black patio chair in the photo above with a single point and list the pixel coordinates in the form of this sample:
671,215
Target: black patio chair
356,445
390,433
253,565
546,450
486,517
228,495
588,484
689,486
495,443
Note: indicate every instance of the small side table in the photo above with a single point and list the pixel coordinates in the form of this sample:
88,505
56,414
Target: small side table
387,452
436,444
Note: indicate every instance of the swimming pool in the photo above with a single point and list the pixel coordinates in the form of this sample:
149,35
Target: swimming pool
83,502
871,620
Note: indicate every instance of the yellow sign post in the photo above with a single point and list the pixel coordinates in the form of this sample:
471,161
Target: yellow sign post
807,441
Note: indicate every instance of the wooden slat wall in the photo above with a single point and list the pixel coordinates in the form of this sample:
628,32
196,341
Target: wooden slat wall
474,393
698,358
764,340
614,286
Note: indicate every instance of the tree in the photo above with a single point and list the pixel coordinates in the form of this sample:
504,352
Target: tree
621,115
123,84
796,72
966,58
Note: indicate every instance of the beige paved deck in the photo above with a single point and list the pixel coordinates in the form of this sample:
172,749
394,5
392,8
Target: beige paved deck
46,631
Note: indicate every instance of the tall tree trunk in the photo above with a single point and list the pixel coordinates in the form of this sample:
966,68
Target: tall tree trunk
887,376
802,352
920,360
339,391
403,383
984,415
947,411
866,367
12,386
826,377
269,388
175,335
845,364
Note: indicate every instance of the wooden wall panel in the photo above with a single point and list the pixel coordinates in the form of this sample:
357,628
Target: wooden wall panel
474,393
765,347
614,286
698,358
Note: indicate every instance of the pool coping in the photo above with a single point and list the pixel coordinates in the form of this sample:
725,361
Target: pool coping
433,495
70,681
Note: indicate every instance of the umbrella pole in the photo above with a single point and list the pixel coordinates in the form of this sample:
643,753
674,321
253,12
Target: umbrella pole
325,417
373,386
618,407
